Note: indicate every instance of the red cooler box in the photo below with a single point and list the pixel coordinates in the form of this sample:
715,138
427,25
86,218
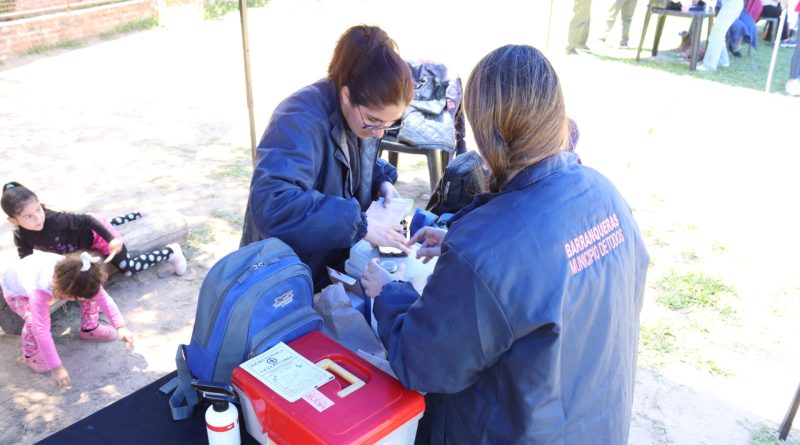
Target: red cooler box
361,405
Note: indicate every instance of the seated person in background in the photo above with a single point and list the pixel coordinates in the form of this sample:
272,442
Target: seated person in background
793,84
527,331
317,169
774,9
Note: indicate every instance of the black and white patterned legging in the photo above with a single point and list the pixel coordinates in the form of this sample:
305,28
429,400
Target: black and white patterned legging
131,266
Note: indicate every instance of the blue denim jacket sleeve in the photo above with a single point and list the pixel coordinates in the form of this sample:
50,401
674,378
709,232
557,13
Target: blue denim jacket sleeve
383,171
441,341
284,201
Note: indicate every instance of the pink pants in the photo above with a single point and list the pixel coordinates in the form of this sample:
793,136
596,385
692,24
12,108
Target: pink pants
90,317
98,242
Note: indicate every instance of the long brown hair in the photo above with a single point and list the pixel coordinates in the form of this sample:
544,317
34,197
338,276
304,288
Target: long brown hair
367,63
515,107
70,280
15,197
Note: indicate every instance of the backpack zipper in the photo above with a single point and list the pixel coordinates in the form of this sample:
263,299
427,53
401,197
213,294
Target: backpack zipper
240,279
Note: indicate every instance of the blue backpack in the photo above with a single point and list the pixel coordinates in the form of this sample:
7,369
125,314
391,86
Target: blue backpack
249,301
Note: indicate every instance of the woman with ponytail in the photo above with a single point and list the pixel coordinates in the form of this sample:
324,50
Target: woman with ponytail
317,167
36,282
527,331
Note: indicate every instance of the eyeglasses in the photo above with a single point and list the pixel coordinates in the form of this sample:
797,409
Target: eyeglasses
396,125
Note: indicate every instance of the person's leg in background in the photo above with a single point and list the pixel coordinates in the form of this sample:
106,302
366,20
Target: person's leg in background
716,52
30,349
579,26
91,329
793,85
628,8
773,11
613,11
130,266
120,220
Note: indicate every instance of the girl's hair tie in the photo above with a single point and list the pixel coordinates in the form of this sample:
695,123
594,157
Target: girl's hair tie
8,186
88,260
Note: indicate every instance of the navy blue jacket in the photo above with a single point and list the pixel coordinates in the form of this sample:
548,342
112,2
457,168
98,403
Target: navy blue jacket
527,331
305,190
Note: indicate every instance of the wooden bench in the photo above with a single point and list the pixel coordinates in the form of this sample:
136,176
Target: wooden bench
143,235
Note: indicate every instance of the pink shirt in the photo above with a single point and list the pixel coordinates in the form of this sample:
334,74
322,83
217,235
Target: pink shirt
32,278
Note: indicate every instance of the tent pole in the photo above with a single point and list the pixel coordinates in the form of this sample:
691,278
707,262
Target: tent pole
778,32
247,81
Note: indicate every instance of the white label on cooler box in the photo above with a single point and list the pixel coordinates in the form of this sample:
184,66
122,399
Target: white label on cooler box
286,372
318,400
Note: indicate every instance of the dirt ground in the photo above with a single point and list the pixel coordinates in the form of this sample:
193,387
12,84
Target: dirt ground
157,121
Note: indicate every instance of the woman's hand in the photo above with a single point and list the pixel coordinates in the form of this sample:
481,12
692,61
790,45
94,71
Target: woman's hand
431,239
375,277
388,192
60,376
126,336
387,235
113,249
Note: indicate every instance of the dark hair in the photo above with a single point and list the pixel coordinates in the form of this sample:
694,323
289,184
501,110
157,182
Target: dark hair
367,63
15,197
516,109
68,279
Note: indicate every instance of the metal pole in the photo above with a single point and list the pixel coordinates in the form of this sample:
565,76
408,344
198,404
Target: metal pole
247,82
777,45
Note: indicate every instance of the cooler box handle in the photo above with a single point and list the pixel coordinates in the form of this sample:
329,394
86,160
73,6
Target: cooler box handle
355,382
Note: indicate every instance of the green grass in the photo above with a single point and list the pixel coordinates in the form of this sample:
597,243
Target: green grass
746,71
659,338
712,367
234,219
40,49
233,171
672,340
219,8
689,255
762,434
692,290
199,237
718,247
135,25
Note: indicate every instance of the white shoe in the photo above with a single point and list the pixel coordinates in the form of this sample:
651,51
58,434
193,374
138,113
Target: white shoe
703,68
177,260
793,87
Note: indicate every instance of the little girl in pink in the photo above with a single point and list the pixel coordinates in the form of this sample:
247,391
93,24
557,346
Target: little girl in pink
35,282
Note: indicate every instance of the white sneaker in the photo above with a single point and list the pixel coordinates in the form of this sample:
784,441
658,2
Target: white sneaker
701,67
793,87
177,260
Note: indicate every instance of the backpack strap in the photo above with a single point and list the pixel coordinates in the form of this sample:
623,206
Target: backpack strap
183,401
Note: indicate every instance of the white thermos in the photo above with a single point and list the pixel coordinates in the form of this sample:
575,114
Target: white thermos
222,417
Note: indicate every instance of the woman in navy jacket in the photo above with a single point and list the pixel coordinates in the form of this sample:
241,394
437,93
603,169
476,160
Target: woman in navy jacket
527,331
317,168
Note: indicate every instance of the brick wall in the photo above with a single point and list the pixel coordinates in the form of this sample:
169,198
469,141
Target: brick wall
27,5
19,36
